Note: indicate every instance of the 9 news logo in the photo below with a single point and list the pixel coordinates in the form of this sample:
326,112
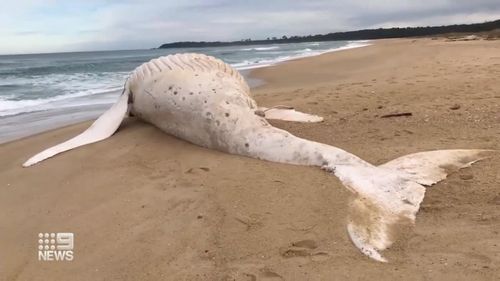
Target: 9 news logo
55,246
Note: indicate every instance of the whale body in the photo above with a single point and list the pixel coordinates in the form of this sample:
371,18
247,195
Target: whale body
204,101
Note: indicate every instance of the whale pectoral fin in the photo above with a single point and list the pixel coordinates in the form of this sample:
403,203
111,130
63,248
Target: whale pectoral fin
287,113
101,129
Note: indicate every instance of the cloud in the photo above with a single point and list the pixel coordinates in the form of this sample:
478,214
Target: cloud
58,25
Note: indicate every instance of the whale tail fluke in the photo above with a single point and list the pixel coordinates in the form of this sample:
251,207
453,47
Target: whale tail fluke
430,167
388,197
101,129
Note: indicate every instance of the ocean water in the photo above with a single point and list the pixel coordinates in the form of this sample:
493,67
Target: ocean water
44,91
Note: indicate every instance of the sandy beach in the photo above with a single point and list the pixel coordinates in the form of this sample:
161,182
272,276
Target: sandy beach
146,206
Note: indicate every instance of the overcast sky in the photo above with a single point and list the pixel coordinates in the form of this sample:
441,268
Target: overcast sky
28,26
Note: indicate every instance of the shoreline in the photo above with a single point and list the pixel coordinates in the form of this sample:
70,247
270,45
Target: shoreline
26,124
178,211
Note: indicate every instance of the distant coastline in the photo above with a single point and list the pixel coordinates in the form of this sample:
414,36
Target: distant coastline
365,34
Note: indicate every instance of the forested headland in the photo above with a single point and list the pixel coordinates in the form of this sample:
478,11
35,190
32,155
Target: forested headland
365,34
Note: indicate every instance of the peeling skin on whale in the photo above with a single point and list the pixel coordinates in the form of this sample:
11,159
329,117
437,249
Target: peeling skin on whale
224,116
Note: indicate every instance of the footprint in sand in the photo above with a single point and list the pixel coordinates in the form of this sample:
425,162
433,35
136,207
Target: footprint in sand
254,273
304,249
197,169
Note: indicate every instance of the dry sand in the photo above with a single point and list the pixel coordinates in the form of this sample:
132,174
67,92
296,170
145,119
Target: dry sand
146,206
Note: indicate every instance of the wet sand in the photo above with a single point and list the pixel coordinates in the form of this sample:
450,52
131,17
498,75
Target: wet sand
146,206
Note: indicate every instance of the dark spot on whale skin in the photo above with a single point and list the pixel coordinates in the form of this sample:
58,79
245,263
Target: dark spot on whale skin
406,201
246,144
320,158
191,93
183,98
205,101
227,114
227,102
170,87
175,93
299,158
260,113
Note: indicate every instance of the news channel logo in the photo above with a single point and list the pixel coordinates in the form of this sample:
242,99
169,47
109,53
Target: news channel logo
56,246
